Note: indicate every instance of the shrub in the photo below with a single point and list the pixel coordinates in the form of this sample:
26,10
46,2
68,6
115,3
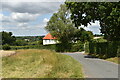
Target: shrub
6,47
40,42
21,42
51,47
79,46
62,47
87,47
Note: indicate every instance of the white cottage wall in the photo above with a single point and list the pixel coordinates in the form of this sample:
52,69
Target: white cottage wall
48,41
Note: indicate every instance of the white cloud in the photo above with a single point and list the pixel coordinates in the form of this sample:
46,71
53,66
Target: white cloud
33,1
45,20
94,27
24,17
31,7
18,17
4,18
22,25
1,15
94,24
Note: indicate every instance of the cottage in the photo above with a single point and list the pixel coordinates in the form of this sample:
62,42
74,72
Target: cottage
49,39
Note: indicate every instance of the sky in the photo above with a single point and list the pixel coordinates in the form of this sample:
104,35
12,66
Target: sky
29,18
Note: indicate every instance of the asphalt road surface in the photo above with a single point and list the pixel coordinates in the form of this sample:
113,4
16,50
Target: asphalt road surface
94,67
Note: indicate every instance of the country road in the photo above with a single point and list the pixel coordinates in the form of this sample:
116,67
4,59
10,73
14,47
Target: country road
94,67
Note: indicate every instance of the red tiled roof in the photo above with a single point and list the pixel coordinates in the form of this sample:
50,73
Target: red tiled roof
49,36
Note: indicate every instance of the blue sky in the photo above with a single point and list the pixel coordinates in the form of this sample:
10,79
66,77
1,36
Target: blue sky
30,18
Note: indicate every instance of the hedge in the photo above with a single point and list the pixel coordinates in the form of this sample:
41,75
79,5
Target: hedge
52,47
6,47
70,47
103,49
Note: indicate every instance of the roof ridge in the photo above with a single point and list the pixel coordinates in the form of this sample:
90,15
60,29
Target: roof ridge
49,36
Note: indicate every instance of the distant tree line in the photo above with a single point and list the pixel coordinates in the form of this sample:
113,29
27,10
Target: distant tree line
9,39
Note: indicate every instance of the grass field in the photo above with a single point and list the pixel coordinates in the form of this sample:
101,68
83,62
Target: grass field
33,63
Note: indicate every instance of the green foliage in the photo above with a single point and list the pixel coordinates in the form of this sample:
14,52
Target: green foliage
107,13
79,46
82,35
51,47
63,47
86,36
40,42
7,38
21,42
6,47
71,47
30,38
104,49
19,47
99,40
60,26
86,47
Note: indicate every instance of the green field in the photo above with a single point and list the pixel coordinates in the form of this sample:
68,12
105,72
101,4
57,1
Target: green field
34,63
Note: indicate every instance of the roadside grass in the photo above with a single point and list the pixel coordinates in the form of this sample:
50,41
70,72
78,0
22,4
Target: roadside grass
35,63
115,60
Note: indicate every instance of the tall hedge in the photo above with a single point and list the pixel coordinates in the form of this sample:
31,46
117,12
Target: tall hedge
104,49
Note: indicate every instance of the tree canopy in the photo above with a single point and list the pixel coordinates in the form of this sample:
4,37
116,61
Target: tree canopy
107,13
7,38
83,35
61,26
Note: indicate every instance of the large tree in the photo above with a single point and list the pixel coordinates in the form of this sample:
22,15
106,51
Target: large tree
61,26
83,35
107,13
7,38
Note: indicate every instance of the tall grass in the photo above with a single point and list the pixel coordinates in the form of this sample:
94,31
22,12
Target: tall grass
33,63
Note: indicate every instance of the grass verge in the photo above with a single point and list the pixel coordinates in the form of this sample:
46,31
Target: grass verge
115,60
34,63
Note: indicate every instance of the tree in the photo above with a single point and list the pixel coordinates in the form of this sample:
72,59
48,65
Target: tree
61,26
107,13
83,35
7,38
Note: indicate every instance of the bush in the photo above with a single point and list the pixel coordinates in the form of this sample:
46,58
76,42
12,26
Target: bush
79,46
87,47
6,47
40,42
51,47
63,47
21,42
